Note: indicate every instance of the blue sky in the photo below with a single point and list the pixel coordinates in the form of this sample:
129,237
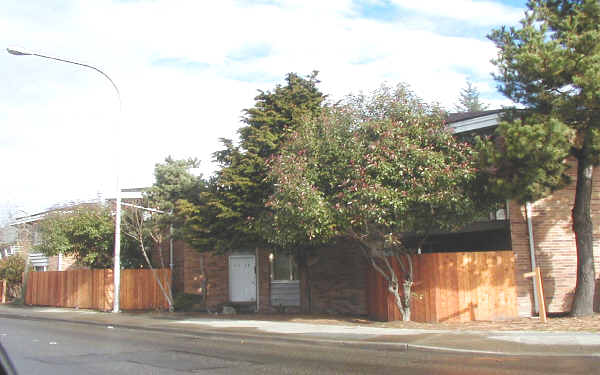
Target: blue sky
186,69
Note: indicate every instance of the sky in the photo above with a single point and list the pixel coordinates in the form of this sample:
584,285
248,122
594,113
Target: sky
186,69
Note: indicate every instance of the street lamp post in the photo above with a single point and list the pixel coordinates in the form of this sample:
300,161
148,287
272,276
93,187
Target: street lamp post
117,260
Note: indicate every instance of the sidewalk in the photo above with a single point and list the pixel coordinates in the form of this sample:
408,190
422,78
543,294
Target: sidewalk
476,342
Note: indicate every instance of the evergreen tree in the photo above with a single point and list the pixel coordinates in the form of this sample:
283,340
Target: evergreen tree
227,215
551,65
469,100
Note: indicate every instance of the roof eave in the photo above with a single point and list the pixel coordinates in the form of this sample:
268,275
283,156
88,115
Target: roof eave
477,123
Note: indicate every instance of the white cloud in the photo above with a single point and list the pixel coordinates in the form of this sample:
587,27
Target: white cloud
184,78
486,13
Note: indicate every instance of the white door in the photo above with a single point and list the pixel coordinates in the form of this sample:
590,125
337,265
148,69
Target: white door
242,278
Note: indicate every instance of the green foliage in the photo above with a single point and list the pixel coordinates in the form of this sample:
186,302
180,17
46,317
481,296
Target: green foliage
12,268
175,189
527,159
87,233
551,65
173,181
183,197
187,301
376,168
469,100
226,212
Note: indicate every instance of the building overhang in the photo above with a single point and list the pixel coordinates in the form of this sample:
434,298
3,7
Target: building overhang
475,124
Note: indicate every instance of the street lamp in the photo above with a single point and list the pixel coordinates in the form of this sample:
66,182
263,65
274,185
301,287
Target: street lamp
117,261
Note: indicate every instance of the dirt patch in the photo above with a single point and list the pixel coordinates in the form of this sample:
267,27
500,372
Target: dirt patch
588,324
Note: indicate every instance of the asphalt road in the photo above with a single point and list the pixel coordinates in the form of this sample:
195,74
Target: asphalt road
45,347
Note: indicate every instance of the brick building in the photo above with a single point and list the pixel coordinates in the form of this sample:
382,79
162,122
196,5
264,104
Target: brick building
335,282
553,240
21,235
275,281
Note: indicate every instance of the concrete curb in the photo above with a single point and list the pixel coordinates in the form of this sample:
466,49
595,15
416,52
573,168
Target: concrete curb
429,348
221,334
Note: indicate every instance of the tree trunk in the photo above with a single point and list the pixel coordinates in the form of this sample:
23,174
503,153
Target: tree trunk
166,293
402,302
583,302
395,292
406,290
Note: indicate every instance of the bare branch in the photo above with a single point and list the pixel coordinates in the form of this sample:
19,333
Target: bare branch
390,268
400,262
410,266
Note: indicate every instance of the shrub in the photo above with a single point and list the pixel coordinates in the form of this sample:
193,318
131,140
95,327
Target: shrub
11,269
187,301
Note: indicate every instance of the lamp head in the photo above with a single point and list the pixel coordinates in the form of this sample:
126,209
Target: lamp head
16,52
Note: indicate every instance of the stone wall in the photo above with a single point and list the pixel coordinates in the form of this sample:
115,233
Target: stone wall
555,249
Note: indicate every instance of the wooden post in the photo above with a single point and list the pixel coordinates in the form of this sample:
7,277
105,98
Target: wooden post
537,274
540,292
3,291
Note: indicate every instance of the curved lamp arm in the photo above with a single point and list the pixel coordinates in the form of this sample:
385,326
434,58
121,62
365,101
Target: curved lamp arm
16,52
117,260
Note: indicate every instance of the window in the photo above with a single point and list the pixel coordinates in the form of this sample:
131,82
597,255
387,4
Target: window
13,250
37,238
283,267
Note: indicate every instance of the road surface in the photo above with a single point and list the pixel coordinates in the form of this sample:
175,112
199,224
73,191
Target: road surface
47,347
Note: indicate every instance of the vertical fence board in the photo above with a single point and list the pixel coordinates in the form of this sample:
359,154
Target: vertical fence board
475,284
453,287
463,288
94,289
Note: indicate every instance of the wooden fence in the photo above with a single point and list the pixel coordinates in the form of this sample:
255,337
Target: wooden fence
93,289
452,287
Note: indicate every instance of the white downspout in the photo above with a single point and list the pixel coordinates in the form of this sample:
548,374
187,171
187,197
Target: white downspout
171,249
257,281
532,255
59,262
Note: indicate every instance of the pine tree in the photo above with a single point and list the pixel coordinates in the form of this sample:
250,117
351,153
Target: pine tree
550,64
469,100
227,215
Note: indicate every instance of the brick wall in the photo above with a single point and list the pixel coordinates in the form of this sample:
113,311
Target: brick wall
216,272
66,263
338,281
53,263
555,248
264,282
